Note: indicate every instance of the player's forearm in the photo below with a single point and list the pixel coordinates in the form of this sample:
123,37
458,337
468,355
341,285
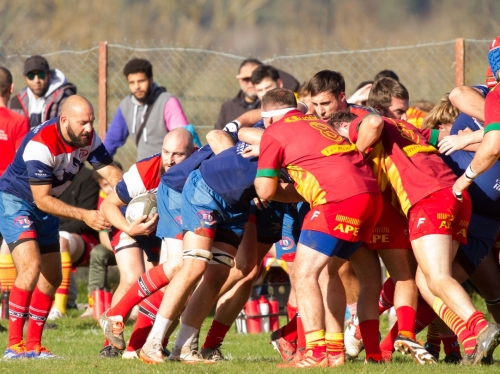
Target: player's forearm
487,153
469,101
369,132
249,118
58,208
114,215
219,140
250,135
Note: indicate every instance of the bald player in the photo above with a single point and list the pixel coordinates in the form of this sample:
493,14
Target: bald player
48,159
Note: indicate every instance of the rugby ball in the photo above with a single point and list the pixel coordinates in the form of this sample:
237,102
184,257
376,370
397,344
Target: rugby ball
141,205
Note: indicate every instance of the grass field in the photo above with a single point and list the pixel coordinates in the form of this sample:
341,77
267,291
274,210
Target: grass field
79,342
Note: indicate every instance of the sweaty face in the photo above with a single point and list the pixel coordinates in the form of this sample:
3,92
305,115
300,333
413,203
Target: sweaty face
140,86
174,151
326,103
265,85
397,110
37,85
246,84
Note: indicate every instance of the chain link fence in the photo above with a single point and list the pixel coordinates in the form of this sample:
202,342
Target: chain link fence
204,79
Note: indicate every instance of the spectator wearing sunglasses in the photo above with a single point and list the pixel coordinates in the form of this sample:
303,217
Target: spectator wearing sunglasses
45,92
247,99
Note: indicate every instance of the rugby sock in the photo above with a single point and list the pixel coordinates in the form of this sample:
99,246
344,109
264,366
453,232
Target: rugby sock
433,337
149,282
369,332
8,272
148,308
160,328
19,302
301,336
38,312
315,342
61,297
185,337
477,323
289,331
450,343
215,335
406,321
458,326
425,315
334,343
353,309
386,298
387,343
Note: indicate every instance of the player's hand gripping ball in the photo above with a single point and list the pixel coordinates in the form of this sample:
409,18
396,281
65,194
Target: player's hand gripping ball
142,205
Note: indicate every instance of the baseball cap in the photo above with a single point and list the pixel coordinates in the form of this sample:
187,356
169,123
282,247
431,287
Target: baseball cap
36,63
494,56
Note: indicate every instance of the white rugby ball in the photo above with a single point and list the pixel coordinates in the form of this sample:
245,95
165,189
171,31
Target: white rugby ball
141,205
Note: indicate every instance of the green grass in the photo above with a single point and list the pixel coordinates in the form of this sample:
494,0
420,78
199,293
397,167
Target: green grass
79,343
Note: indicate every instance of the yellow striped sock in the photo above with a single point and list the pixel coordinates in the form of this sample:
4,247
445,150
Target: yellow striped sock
61,297
8,271
334,343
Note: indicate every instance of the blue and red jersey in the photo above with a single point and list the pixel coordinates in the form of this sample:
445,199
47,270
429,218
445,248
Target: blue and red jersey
45,157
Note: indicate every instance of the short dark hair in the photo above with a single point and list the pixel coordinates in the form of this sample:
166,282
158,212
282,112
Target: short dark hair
341,116
251,61
386,74
5,81
384,90
264,71
327,81
279,98
138,65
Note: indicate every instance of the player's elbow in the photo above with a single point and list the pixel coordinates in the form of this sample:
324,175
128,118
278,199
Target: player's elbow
264,191
374,124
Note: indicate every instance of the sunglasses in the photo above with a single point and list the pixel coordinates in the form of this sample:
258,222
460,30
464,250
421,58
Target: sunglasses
40,74
246,79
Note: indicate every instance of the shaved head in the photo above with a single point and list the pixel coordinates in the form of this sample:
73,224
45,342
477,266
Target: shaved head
177,146
77,120
76,104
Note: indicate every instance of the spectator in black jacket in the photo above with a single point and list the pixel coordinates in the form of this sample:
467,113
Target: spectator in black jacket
246,99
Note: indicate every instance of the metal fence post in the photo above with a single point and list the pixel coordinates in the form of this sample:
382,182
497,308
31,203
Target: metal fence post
459,62
102,103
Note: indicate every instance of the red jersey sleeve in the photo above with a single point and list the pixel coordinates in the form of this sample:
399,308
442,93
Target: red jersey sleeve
22,129
271,156
492,110
354,128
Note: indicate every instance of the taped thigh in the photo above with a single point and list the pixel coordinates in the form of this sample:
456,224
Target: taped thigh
220,257
198,254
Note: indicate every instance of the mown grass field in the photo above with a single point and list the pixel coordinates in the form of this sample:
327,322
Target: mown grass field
79,342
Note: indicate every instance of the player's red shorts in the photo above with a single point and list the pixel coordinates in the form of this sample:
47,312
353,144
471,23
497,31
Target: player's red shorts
90,242
352,219
391,230
441,213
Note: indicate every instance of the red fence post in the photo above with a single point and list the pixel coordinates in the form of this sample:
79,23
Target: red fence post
103,66
459,62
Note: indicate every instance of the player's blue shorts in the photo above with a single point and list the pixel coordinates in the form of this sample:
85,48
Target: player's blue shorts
20,221
268,221
294,215
480,239
205,213
169,212
328,244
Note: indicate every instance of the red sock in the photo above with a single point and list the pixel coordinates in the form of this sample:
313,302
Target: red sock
450,343
291,311
477,323
289,331
301,335
425,315
369,332
216,334
388,343
39,310
148,308
406,321
149,282
386,298
19,302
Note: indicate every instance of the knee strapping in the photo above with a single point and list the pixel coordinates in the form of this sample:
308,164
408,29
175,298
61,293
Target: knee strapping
198,254
221,258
